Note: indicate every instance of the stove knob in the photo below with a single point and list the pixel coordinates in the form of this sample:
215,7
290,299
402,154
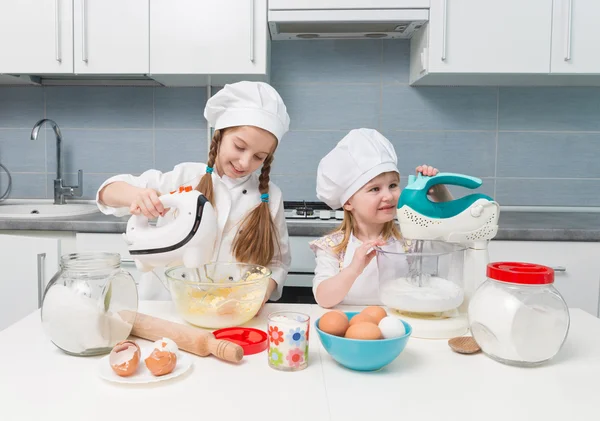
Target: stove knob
324,214
339,215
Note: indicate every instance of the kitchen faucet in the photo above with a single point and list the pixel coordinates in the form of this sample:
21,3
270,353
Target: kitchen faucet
60,191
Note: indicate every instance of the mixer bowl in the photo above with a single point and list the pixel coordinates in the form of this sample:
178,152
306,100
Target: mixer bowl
421,276
219,294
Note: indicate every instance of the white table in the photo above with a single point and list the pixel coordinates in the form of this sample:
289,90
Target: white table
426,382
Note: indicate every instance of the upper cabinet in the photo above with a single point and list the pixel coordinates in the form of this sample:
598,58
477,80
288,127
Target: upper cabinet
111,36
576,37
475,37
36,36
208,37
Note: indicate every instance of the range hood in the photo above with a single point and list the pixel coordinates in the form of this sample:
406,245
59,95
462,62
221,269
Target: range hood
346,19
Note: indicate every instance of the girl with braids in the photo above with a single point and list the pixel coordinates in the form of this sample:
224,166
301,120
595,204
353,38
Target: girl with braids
249,119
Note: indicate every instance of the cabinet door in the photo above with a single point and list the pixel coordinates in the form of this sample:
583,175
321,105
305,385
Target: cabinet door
575,36
111,36
28,263
490,36
208,37
579,283
36,36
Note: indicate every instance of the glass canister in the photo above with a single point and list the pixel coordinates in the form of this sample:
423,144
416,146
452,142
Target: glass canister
90,304
517,316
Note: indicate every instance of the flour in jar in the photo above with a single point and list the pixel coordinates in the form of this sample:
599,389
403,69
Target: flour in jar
435,295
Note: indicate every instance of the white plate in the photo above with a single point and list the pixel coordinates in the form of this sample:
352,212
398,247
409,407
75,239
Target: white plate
142,375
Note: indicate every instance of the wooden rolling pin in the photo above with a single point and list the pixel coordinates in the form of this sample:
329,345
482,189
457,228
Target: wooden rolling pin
188,338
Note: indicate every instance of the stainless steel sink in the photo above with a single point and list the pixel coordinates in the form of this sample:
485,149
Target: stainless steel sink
37,209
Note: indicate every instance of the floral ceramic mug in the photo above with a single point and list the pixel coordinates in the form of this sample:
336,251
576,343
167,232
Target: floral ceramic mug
288,340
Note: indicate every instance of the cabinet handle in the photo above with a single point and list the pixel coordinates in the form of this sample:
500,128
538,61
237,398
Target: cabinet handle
252,31
559,268
57,31
569,23
83,32
127,261
41,257
444,24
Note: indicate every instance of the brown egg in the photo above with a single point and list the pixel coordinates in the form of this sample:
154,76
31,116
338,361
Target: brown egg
375,312
364,331
362,318
334,322
125,358
161,362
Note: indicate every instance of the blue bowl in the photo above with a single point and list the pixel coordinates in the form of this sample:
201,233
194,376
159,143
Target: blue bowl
363,355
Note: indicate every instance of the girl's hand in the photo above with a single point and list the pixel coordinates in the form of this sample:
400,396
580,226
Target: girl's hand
364,254
270,288
146,202
427,170
439,192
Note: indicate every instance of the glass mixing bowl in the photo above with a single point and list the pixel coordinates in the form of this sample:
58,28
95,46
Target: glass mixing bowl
219,294
421,276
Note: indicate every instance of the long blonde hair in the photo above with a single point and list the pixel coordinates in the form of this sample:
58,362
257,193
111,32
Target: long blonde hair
257,237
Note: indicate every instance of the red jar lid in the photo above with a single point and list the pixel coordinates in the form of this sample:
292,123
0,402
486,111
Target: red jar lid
251,340
520,273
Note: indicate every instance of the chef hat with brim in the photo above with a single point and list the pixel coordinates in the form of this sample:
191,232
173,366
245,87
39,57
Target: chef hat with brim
360,156
248,104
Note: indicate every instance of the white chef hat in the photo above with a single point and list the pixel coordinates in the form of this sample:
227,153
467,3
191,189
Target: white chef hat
359,157
248,104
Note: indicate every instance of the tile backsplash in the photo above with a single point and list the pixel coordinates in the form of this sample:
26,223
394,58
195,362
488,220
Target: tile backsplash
531,146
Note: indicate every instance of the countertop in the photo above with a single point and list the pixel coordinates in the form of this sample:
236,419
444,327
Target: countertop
532,226
426,382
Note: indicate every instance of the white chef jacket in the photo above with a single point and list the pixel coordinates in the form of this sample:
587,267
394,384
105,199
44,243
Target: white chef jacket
234,199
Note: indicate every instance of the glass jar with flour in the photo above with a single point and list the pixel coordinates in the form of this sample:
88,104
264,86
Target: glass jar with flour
517,316
90,304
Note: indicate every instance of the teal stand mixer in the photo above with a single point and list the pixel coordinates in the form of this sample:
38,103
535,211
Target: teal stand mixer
430,282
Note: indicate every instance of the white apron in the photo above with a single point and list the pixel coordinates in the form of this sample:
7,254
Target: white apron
365,290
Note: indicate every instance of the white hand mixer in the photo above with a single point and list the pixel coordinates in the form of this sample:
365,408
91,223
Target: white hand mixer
470,222
187,237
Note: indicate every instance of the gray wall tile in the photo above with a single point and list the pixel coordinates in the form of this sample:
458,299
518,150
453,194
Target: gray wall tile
300,152
326,61
396,61
21,107
100,107
549,109
296,187
176,146
331,107
555,155
471,153
21,154
103,151
549,192
438,108
24,185
177,108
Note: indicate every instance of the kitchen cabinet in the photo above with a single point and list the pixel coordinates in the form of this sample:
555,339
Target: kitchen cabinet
578,264
111,36
36,36
471,37
575,37
28,263
218,37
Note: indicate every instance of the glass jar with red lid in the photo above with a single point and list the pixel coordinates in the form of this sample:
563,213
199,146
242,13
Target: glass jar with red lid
517,316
